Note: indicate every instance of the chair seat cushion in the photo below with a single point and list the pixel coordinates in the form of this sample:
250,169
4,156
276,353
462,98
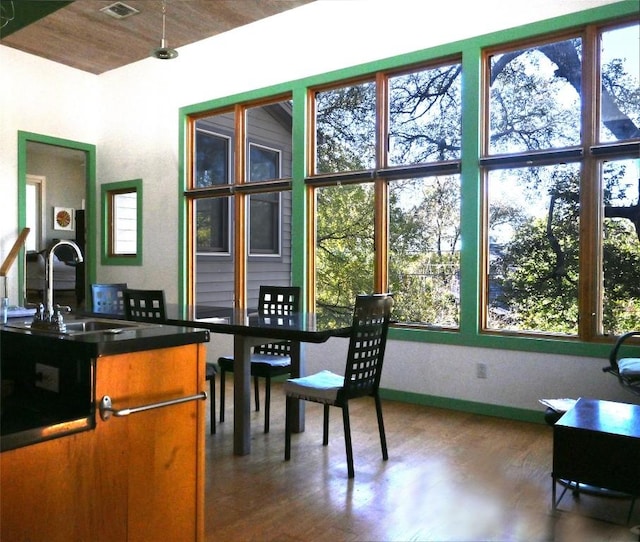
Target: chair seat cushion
270,359
629,368
226,362
322,387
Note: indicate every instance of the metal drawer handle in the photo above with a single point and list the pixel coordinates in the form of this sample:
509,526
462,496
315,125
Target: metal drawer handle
107,410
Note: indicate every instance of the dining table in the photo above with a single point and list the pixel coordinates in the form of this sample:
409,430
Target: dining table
250,328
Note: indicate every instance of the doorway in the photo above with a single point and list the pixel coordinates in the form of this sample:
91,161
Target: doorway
56,184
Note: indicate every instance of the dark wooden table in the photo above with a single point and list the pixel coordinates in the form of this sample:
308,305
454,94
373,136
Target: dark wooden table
598,443
249,329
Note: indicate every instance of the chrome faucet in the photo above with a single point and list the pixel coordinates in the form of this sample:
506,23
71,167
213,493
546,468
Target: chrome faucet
45,316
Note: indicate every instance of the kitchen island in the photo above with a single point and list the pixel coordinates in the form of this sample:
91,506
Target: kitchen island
77,467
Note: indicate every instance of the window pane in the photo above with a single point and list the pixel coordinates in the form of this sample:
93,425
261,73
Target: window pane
344,251
125,223
425,116
619,66
264,223
213,151
345,129
272,266
33,216
212,225
534,101
533,232
264,164
424,250
269,130
214,265
621,247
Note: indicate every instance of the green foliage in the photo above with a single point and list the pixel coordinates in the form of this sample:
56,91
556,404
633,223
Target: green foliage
344,258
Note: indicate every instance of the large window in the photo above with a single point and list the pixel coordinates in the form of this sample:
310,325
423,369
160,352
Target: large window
562,186
240,202
492,185
401,232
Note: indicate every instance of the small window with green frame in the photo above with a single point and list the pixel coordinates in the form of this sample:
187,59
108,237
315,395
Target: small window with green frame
122,223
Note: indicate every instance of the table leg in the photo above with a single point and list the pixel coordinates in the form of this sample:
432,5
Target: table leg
297,370
241,395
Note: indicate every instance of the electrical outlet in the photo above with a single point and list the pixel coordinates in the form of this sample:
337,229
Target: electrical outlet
481,370
47,377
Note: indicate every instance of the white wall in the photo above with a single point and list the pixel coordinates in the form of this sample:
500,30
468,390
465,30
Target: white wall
43,97
131,114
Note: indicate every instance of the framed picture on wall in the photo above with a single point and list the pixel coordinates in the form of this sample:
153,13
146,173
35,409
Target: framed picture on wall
63,218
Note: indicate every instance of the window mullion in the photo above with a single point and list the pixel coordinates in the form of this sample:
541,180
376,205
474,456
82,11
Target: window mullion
240,208
590,284
381,216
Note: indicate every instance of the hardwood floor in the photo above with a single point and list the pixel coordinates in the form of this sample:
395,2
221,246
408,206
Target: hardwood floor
450,477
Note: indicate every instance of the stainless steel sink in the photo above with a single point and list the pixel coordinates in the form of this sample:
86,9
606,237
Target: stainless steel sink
77,327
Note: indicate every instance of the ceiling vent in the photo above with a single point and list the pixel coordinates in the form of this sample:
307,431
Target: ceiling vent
119,10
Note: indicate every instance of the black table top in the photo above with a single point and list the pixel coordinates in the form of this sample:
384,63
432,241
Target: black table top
306,327
603,417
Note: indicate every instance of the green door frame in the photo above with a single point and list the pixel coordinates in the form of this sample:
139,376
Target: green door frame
90,219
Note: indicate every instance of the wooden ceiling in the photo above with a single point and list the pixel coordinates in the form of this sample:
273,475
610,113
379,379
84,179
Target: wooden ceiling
78,34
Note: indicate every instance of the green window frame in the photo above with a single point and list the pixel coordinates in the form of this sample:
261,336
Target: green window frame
113,226
307,177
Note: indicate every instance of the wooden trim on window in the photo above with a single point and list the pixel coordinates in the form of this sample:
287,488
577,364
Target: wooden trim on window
590,265
311,239
240,241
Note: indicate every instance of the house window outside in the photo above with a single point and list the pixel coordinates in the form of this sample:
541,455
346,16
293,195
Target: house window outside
212,159
212,225
264,208
552,204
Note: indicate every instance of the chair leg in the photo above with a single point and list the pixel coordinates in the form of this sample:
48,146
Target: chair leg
325,426
383,438
267,403
212,404
222,393
347,439
256,393
287,428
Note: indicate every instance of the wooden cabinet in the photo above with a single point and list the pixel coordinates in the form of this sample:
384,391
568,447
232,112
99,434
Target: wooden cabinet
133,478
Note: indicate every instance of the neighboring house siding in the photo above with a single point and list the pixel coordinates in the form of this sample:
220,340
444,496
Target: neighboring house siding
215,272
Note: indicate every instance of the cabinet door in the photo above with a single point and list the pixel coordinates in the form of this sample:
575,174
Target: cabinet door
133,478
161,450
57,491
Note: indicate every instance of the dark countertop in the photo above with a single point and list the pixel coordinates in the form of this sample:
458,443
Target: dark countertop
130,339
48,378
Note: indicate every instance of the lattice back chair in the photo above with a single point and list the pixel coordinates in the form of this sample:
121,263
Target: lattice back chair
145,305
149,306
625,369
267,360
361,376
108,298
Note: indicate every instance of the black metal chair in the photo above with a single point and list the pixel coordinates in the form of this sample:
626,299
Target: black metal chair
626,370
268,360
108,298
361,377
149,306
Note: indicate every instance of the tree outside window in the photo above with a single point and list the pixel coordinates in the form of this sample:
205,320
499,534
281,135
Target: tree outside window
422,228
544,205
